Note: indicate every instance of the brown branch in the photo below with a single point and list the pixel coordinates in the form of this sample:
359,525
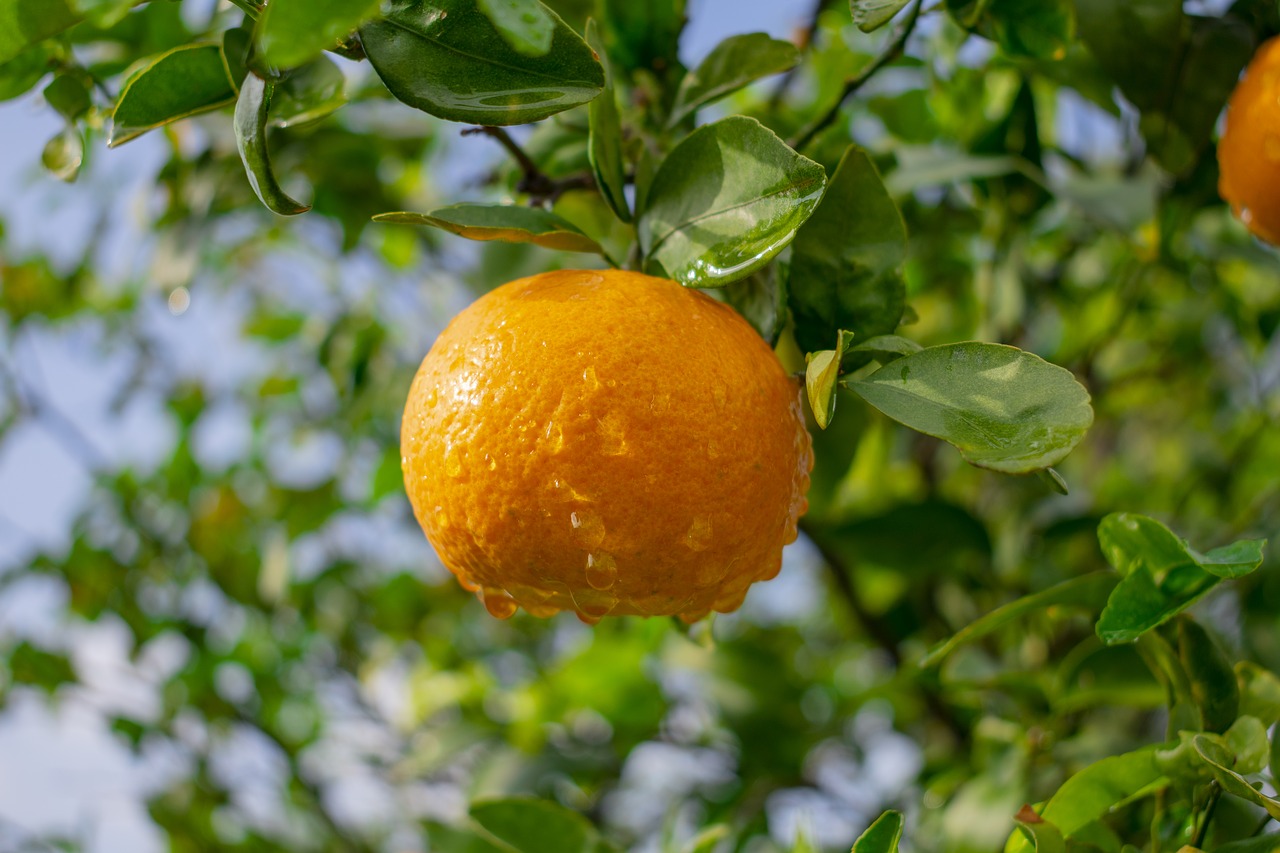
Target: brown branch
541,188
891,52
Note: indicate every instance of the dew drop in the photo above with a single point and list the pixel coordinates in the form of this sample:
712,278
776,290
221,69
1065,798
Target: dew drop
589,377
442,518
661,404
588,529
493,463
602,571
433,397
587,620
499,604
698,536
554,435
453,462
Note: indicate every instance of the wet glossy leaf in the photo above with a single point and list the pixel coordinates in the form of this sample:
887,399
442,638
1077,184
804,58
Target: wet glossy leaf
1044,836
507,222
1162,575
734,63
1090,794
69,96
290,32
64,154
535,826
525,24
253,108
1088,591
882,836
174,85
25,22
308,94
446,58
1220,761
1213,681
1002,408
604,143
871,15
762,298
845,259
724,202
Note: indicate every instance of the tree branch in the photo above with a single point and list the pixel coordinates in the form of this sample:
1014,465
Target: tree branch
891,52
534,183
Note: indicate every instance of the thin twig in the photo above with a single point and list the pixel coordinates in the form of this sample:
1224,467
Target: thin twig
1215,793
891,52
534,183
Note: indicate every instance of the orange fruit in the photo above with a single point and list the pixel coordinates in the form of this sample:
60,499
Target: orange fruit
1249,149
605,442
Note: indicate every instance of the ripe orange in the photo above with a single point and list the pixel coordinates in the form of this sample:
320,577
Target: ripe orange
1249,150
607,443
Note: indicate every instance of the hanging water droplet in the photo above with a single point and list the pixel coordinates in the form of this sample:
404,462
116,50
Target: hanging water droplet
698,536
588,529
499,604
602,570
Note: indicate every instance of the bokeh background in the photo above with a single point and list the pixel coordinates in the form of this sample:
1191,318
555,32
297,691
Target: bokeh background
220,627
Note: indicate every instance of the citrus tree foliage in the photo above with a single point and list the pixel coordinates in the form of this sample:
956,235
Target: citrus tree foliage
985,232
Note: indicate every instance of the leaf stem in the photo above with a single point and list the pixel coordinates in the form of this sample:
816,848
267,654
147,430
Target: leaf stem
534,183
891,52
1215,794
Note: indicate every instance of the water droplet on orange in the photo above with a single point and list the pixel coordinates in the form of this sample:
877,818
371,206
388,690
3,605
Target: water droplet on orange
499,604
554,436
433,397
588,529
602,570
698,536
589,377
661,404
453,462
442,518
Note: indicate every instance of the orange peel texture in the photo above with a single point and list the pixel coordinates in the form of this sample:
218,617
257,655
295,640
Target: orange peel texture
605,442
1249,148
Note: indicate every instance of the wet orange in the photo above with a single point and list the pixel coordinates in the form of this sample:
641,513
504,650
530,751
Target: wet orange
607,443
1249,150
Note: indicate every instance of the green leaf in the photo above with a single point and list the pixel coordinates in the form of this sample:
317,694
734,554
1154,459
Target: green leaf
871,15
1219,761
762,298
1213,681
174,85
308,94
236,45
1002,408
507,222
707,840
64,154
604,142
525,24
845,260
103,13
820,375
446,58
1259,692
644,35
1261,844
883,348
252,117
1055,481
1247,740
882,836
724,202
1088,591
25,22
734,63
19,74
1091,793
1162,575
69,96
1040,29
290,32
535,826
1045,837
